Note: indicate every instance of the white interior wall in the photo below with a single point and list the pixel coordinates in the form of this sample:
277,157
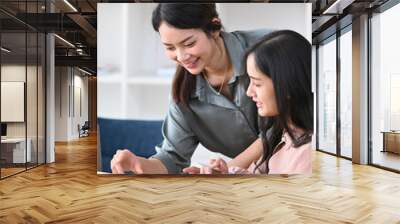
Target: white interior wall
276,16
61,103
34,124
12,73
67,114
80,114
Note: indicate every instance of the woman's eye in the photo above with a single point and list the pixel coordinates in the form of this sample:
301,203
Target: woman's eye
170,48
190,44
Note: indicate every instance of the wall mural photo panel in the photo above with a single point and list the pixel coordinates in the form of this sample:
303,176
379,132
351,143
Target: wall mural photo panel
190,88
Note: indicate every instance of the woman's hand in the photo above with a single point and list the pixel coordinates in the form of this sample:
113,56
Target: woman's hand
191,170
215,166
124,160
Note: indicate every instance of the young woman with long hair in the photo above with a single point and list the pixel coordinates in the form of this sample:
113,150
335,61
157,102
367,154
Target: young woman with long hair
279,67
209,103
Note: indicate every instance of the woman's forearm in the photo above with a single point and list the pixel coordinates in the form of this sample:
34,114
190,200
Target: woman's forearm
152,166
249,155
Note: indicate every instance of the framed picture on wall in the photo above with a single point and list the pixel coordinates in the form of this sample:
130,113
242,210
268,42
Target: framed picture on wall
12,101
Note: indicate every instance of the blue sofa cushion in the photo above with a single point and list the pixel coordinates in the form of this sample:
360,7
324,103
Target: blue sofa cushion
139,136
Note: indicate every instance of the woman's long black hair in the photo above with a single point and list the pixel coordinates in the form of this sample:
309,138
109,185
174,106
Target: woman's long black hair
285,57
186,16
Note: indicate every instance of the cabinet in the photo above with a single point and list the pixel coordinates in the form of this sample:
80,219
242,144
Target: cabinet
391,141
13,150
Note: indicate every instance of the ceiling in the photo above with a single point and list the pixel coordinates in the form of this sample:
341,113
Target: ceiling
77,25
76,22
330,16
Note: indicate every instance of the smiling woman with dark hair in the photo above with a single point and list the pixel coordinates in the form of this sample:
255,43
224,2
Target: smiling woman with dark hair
209,104
279,67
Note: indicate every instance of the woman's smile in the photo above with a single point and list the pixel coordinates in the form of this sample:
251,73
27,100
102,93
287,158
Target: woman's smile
191,64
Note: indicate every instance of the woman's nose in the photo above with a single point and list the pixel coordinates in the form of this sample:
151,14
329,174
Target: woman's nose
249,91
182,56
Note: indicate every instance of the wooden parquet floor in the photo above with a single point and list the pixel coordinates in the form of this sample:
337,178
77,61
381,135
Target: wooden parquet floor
69,191
9,171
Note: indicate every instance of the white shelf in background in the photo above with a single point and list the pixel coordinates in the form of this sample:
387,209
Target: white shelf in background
109,78
150,81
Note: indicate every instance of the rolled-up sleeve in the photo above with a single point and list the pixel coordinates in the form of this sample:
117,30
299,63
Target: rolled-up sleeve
179,141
